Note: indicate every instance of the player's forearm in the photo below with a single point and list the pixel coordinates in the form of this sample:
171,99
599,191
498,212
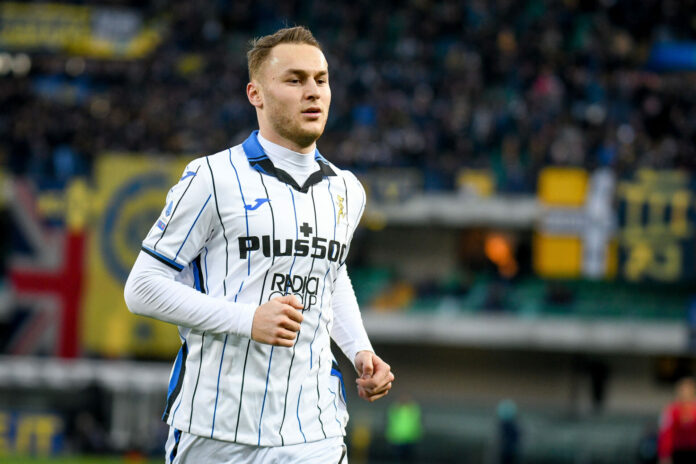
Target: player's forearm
152,291
348,330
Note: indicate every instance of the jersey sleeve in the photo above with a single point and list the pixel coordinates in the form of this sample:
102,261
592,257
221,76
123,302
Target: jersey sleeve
348,330
357,208
152,290
185,223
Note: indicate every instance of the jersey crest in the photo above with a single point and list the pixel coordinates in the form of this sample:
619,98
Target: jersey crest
341,211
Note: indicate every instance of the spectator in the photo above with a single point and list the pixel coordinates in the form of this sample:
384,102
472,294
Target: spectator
404,428
677,438
443,84
508,433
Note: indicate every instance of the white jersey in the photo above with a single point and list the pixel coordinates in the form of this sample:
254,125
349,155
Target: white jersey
244,231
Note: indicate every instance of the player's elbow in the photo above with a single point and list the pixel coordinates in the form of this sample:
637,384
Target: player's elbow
133,294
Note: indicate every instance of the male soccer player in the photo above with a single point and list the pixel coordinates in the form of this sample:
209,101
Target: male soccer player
248,260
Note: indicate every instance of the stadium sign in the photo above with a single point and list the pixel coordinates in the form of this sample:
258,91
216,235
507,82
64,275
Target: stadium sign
95,32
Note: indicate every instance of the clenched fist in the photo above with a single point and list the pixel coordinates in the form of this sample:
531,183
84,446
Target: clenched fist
277,321
375,376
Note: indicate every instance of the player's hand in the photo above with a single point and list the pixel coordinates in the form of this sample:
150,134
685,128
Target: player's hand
277,321
375,376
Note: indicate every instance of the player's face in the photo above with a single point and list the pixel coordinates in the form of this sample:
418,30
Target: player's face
294,87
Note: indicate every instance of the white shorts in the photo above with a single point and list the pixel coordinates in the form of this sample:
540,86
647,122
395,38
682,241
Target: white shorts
184,448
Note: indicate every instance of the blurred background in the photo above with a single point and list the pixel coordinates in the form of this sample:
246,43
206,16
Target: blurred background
526,262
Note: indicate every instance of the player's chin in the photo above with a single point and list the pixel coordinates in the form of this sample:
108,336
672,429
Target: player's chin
312,130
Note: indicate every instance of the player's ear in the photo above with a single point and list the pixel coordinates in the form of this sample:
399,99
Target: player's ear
253,92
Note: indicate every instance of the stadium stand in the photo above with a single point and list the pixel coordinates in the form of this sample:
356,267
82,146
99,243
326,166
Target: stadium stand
529,233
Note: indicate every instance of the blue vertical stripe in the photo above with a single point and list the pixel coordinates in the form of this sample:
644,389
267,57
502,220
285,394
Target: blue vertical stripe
294,258
222,356
191,228
298,414
217,388
240,289
321,304
335,407
268,372
246,215
205,266
263,404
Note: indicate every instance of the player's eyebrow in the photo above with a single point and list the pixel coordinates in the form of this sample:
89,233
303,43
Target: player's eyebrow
304,72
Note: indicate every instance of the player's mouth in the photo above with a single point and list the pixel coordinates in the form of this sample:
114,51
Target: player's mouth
313,112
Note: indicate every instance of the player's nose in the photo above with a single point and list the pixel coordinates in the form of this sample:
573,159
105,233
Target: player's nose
311,90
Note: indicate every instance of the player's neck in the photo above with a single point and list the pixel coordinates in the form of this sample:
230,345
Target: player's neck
285,143
286,158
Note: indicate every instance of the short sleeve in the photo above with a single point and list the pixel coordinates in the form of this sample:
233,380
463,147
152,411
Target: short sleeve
358,192
185,223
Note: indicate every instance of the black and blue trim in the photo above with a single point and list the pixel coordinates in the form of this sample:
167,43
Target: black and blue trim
198,278
198,377
163,259
177,379
175,449
336,372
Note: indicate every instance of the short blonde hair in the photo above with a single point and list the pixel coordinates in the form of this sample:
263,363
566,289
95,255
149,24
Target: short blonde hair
262,46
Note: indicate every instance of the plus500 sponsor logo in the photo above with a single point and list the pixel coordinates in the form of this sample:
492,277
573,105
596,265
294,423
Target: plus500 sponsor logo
317,247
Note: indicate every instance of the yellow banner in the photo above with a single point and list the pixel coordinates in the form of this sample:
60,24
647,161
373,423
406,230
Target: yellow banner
129,195
656,226
557,256
564,187
575,235
96,32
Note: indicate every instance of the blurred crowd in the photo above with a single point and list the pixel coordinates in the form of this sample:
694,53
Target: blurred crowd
435,85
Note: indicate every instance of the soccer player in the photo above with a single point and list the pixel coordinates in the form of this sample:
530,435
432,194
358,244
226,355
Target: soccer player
248,259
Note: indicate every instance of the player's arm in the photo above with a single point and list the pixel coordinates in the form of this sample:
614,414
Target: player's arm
187,222
151,290
374,375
